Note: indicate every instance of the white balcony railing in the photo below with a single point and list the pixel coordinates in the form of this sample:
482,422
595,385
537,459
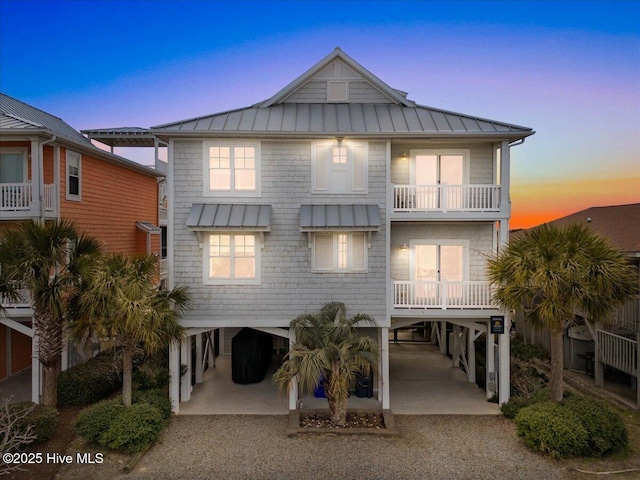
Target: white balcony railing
619,352
445,198
17,197
443,295
23,302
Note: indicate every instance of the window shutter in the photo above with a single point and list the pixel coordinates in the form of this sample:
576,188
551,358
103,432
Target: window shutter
359,250
323,251
359,169
321,168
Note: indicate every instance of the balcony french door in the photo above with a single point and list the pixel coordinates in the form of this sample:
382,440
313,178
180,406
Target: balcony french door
435,263
429,171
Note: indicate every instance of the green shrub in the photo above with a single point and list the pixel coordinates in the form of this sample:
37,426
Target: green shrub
156,398
137,427
91,381
95,420
552,429
527,351
605,427
511,408
44,420
151,375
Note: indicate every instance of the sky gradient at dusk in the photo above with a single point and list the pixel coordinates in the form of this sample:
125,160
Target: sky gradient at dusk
569,70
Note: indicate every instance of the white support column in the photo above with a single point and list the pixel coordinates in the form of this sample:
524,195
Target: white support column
505,179
35,368
212,348
598,366
185,359
455,357
471,355
174,373
199,358
36,178
504,374
384,373
221,342
491,362
434,333
443,338
293,388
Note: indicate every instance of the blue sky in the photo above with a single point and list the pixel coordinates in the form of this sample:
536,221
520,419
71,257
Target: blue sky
570,70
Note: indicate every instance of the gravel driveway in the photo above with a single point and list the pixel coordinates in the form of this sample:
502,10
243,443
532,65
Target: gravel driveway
256,447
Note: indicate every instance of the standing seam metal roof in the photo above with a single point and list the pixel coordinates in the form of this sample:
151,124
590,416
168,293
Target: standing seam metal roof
331,118
229,217
327,217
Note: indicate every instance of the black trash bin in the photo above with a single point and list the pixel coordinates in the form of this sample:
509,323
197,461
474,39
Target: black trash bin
250,356
364,385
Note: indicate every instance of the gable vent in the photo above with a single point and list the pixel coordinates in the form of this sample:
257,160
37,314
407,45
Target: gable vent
337,91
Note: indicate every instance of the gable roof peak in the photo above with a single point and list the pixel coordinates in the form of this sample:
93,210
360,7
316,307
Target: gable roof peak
394,95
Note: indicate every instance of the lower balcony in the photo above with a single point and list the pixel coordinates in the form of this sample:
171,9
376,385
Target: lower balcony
16,200
442,295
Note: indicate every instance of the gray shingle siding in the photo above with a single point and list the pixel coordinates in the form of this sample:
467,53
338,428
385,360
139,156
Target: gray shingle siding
288,287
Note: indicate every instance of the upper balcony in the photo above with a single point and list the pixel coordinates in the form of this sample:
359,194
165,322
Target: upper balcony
441,298
16,201
446,202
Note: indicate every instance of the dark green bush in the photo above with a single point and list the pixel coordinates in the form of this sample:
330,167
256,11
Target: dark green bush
511,408
44,420
137,427
91,381
156,398
95,420
605,427
527,351
553,429
152,374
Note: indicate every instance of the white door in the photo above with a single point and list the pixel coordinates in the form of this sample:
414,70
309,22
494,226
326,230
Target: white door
434,263
432,170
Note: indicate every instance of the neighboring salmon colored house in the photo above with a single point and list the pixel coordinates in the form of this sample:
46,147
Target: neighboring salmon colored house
49,171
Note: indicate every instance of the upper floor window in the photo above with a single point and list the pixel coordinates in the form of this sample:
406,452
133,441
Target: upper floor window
231,168
13,167
339,252
339,168
232,259
74,183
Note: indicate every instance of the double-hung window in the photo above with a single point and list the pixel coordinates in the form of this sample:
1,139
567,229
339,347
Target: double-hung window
74,179
231,169
339,252
339,168
232,259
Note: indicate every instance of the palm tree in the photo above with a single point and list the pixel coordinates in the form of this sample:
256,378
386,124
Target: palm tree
329,346
551,274
122,303
49,260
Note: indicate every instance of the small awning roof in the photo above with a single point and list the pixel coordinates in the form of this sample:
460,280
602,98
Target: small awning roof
256,218
339,217
147,227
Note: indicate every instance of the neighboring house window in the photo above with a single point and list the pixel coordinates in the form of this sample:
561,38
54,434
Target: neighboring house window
232,259
339,168
14,189
231,169
74,179
339,252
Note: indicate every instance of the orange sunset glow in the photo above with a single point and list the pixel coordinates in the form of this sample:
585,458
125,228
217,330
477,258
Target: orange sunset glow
536,203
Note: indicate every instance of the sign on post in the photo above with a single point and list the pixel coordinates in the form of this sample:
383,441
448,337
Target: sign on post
497,324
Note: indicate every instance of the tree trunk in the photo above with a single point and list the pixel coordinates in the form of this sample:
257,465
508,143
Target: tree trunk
127,369
50,391
339,413
557,365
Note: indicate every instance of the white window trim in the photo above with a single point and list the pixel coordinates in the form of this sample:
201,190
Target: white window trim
69,196
25,163
206,280
231,193
335,268
350,165
465,152
465,253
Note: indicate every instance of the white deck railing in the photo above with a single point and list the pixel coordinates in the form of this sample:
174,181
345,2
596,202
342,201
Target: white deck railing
444,198
23,302
442,295
619,352
17,197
